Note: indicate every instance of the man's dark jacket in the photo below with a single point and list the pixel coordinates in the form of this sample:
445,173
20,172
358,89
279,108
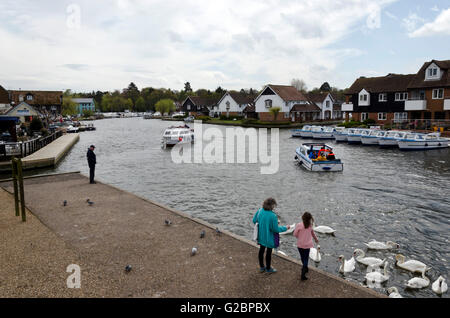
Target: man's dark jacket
91,158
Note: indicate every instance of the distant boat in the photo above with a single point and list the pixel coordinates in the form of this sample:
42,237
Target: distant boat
391,138
177,134
373,137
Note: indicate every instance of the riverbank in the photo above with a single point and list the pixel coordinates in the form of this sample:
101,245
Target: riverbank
122,229
47,156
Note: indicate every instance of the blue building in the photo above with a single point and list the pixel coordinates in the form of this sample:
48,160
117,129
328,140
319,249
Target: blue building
84,104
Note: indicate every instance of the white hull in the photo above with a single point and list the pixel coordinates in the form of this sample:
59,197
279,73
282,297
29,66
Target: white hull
369,140
354,139
340,137
423,145
390,142
306,134
319,166
322,135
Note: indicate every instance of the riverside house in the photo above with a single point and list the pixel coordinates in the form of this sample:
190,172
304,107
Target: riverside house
329,105
45,102
288,99
429,92
233,103
199,106
4,100
84,104
379,98
397,98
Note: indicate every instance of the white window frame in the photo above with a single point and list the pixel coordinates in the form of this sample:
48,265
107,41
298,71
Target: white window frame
400,117
382,97
400,97
327,104
29,97
382,116
364,116
188,107
268,103
438,93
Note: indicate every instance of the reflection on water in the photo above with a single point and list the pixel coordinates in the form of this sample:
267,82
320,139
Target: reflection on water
382,194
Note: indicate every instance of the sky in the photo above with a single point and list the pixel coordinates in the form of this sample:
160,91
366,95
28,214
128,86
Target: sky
106,44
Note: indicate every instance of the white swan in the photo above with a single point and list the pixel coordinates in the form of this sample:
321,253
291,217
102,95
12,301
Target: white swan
439,286
324,229
314,254
376,276
291,229
418,282
393,292
375,245
368,261
411,265
346,266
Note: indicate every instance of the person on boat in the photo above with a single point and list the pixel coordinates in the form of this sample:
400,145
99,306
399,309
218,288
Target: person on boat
304,233
323,151
267,226
92,161
331,156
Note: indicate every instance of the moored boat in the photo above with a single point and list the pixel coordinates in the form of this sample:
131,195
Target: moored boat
305,132
372,137
306,153
391,138
354,135
340,134
417,141
324,133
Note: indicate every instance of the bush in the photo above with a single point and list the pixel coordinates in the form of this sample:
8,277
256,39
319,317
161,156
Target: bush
230,117
369,122
36,124
44,132
203,118
88,113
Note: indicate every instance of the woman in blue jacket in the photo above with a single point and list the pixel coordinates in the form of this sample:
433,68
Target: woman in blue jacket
267,226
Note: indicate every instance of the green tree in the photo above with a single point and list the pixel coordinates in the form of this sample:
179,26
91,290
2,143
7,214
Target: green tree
325,87
132,92
140,104
187,87
36,124
69,107
275,111
165,106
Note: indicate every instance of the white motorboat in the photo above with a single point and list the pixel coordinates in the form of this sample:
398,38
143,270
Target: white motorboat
307,152
372,137
340,134
305,132
316,131
325,133
189,119
391,138
354,135
72,129
416,141
177,134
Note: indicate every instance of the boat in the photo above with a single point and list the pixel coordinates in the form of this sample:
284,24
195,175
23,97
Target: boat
391,138
418,141
90,127
72,129
340,134
303,153
323,133
354,135
177,134
148,116
305,132
189,119
372,137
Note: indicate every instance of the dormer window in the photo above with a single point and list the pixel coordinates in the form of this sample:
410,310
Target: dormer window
364,98
433,72
30,97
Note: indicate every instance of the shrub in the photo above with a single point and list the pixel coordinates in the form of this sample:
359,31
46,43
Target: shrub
203,118
44,132
36,124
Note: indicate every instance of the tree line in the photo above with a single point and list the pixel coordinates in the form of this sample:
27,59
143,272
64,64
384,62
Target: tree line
146,99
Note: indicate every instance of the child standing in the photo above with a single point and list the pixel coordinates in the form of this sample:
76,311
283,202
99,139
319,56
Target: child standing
304,234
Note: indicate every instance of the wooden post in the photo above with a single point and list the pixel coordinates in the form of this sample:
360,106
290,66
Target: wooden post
16,190
22,193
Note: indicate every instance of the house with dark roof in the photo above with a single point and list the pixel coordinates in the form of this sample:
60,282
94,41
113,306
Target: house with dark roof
379,98
46,102
233,103
194,105
4,100
285,97
429,92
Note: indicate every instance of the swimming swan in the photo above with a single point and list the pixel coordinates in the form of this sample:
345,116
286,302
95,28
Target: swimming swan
314,254
324,229
376,276
418,282
347,266
411,265
393,292
368,261
375,245
439,286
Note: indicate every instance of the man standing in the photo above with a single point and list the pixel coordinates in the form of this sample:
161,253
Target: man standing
91,158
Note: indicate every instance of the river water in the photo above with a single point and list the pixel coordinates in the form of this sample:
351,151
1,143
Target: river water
382,194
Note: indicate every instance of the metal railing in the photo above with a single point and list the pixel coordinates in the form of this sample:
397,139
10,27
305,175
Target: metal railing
25,148
438,125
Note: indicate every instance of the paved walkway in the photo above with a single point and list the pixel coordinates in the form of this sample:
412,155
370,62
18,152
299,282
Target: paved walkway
120,229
